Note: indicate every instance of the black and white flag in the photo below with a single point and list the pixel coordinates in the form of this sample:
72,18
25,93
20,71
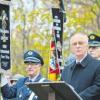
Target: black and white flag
4,36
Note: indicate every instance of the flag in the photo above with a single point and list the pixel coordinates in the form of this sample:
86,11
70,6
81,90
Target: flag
56,45
4,36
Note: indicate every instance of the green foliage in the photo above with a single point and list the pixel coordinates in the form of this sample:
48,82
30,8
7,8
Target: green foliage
32,28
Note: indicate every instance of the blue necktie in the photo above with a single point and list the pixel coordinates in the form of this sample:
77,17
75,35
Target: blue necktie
30,80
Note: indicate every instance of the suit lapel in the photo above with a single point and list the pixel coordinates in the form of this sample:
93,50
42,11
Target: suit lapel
86,60
72,66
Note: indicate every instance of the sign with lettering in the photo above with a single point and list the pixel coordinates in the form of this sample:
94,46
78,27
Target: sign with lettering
4,37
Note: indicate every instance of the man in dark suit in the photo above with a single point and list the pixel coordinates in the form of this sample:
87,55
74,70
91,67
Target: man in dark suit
20,91
84,73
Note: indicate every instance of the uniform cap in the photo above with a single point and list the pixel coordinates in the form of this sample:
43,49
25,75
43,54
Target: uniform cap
94,40
33,57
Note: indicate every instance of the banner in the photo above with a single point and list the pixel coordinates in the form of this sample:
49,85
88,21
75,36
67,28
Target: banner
56,44
4,37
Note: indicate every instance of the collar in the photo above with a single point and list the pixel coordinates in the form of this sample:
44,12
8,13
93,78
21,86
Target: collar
98,58
34,78
81,59
84,62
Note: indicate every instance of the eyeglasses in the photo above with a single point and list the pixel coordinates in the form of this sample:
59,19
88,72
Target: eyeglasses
78,43
33,64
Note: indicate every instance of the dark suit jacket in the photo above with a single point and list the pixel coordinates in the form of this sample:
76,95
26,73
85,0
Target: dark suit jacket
85,78
19,91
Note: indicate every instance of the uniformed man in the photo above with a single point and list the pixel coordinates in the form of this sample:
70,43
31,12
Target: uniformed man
20,91
94,45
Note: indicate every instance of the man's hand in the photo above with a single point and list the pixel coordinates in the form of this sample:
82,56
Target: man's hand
3,79
2,71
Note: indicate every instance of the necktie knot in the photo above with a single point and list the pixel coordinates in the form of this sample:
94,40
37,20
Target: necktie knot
30,80
78,64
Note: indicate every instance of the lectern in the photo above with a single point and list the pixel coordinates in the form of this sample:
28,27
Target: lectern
54,91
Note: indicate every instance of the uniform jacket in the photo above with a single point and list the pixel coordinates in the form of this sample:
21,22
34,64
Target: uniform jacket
85,78
19,91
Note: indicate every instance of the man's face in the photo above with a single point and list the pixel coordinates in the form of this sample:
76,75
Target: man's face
94,51
79,45
33,69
